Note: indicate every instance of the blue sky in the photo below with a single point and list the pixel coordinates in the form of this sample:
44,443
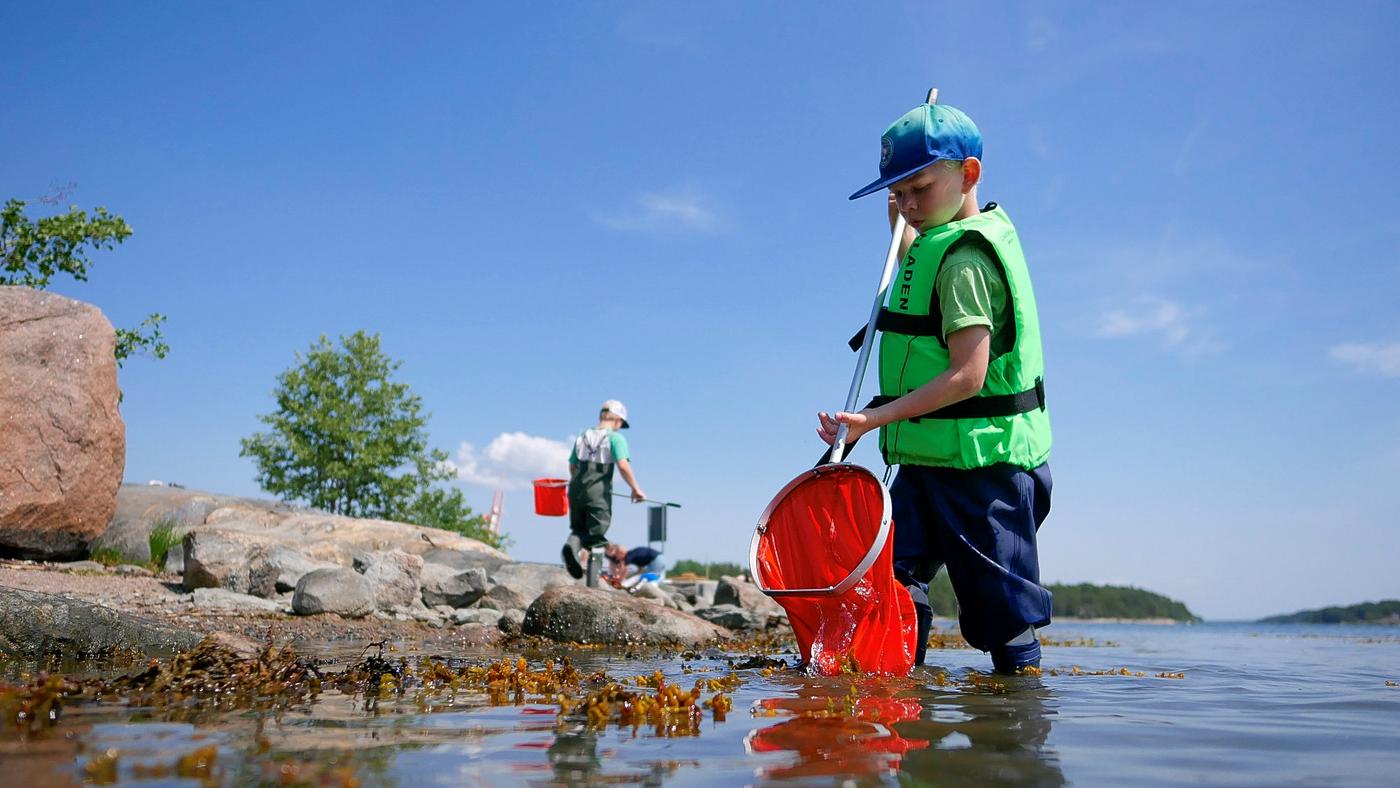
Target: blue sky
540,206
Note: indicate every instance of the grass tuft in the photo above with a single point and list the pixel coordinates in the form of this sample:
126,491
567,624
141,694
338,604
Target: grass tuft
162,539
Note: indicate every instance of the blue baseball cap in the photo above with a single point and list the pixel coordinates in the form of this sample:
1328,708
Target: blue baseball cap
925,134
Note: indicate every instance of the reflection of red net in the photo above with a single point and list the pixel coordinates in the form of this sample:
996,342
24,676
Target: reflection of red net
816,535
865,744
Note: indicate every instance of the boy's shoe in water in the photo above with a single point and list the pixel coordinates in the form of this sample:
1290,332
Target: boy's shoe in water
1009,659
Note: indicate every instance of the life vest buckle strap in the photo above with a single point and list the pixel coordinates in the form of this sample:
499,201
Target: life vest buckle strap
901,323
981,407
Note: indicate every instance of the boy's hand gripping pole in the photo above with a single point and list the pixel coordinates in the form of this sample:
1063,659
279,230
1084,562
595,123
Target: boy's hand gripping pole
838,446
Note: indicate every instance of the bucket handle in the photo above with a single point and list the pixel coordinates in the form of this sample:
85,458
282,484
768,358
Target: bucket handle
861,568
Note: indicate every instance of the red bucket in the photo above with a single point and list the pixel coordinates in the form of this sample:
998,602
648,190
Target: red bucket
552,497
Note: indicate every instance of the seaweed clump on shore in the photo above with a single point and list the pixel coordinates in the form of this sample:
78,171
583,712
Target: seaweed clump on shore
214,675
670,710
30,708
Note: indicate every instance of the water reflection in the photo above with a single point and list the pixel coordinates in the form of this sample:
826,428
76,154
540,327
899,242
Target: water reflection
979,730
575,760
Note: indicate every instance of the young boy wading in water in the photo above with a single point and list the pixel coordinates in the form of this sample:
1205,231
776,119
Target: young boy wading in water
591,464
962,406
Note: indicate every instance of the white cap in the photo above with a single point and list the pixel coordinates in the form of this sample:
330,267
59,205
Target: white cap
617,409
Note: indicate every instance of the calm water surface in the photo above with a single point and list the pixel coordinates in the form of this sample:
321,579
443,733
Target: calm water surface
1258,705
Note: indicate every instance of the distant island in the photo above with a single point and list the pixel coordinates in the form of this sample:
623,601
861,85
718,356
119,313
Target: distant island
1083,600
1386,611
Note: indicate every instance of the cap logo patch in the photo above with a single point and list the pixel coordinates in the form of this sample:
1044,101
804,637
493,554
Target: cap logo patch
886,152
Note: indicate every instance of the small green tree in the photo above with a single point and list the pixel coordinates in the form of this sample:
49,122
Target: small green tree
33,252
348,439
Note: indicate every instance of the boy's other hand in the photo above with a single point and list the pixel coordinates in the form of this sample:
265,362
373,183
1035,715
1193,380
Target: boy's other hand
857,425
638,496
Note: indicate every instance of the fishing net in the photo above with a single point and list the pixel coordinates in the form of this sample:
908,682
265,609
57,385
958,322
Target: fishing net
823,551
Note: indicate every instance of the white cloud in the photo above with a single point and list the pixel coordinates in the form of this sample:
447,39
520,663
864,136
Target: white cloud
1167,320
678,209
1153,316
511,460
1376,358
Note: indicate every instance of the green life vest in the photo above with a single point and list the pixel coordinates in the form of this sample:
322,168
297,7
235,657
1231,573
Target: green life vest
1006,422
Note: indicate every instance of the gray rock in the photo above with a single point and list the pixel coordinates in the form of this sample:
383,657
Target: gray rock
219,599
175,561
518,584
316,535
289,566
740,593
478,616
489,603
580,614
35,624
443,585
428,616
700,593
341,590
462,560
733,617
83,566
395,576
511,621
232,560
132,570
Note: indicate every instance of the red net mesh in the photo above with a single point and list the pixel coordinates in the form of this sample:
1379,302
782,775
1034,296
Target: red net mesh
815,536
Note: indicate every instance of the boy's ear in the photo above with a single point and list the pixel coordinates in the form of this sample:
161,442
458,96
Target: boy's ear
972,173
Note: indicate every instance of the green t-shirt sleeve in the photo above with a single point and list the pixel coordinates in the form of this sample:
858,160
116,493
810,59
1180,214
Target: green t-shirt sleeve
971,292
619,447
573,454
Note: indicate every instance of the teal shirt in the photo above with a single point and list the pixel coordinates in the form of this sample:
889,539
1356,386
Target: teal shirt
616,443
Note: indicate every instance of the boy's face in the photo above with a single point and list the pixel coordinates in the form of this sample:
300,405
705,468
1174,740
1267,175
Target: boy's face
931,196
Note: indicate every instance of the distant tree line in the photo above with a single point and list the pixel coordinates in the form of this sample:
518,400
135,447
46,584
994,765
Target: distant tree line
713,570
1384,612
1083,600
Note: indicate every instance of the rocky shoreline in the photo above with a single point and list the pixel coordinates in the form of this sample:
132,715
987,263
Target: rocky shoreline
256,570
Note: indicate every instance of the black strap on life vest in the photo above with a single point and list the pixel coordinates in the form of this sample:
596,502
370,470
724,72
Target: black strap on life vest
982,407
901,323
971,408
931,324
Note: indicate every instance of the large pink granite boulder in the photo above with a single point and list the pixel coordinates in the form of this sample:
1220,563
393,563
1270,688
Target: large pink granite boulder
62,441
